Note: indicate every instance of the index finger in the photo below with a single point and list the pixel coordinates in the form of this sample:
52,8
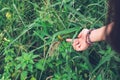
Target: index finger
69,40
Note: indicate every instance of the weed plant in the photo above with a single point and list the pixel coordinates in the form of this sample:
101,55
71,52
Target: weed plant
33,46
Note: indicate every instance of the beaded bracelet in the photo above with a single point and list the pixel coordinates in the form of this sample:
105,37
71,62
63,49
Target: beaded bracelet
88,40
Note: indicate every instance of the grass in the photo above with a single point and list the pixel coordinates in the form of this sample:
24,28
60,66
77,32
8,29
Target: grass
33,46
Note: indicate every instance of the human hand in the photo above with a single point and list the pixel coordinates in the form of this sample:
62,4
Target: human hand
80,44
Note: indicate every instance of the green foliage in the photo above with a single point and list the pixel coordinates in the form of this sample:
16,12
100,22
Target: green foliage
33,46
40,64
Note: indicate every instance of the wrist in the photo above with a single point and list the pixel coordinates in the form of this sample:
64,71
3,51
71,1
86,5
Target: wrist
88,38
97,34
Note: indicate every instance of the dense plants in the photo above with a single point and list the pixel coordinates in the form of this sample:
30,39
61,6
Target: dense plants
33,46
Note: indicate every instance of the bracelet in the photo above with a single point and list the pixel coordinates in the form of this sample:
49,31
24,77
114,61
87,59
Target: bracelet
88,40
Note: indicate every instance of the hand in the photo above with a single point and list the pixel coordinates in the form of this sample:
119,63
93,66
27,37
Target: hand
79,44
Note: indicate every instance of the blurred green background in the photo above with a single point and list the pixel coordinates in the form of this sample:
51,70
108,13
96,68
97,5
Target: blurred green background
33,46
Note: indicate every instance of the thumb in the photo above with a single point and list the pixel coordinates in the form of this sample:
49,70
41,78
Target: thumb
80,34
69,40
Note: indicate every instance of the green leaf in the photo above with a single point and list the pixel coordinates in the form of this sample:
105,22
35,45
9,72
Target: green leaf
65,1
18,66
23,75
33,78
40,64
35,56
23,66
30,67
99,77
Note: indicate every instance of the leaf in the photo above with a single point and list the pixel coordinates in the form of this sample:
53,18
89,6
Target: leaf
35,56
103,60
40,64
23,75
99,77
5,8
33,78
53,48
30,67
18,66
65,1
23,66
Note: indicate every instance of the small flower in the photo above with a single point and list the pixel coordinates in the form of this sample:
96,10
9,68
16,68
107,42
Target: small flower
5,39
8,15
60,37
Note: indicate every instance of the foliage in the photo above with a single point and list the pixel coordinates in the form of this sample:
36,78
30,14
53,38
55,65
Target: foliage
33,47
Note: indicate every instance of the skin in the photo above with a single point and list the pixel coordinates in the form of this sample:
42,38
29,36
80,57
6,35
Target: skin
79,43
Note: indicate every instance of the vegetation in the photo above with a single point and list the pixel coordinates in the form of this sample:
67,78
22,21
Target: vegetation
33,46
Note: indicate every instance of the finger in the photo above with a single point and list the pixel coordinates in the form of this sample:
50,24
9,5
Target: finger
83,47
78,47
75,42
80,34
69,40
74,45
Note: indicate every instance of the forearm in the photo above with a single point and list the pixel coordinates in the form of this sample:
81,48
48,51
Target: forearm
100,33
